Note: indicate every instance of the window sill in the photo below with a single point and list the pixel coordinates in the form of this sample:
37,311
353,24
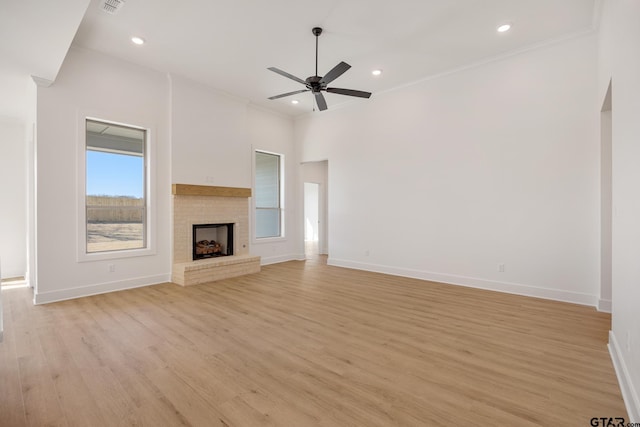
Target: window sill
264,240
119,254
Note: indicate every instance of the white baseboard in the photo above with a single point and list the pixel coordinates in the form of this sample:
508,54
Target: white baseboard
604,305
629,394
472,282
281,258
101,288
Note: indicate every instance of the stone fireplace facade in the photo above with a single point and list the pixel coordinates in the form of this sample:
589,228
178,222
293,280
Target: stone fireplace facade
199,204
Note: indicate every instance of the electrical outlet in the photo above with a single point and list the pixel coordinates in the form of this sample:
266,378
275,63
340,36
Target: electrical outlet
366,253
112,268
501,268
209,179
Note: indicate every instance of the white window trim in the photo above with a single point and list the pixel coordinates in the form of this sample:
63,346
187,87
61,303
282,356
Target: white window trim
150,182
264,240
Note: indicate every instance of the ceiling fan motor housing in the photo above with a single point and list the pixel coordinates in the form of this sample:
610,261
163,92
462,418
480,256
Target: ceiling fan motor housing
314,84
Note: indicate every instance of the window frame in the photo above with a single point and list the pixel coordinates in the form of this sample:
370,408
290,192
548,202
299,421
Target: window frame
281,198
150,204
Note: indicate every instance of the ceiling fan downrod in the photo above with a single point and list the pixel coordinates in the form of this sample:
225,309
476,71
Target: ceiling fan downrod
316,32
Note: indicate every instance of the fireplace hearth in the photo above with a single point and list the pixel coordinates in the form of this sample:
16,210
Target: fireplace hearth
212,240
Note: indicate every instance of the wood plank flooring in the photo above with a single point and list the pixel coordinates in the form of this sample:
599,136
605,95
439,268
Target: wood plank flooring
305,344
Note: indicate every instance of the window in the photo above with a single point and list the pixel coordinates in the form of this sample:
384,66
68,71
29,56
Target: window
115,187
268,195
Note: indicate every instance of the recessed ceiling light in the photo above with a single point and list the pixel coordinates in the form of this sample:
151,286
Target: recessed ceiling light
376,72
295,101
137,40
504,28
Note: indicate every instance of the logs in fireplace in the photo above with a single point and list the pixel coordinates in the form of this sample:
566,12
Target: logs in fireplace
212,240
208,247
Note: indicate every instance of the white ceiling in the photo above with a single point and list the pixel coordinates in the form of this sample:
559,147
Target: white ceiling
229,44
35,36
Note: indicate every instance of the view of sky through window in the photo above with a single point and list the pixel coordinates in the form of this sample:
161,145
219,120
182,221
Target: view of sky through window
110,174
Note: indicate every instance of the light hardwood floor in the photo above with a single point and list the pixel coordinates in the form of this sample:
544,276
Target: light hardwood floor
305,344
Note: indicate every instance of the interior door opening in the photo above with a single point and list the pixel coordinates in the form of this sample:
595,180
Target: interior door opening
606,202
315,230
311,219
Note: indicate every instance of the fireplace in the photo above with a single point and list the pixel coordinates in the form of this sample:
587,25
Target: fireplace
212,240
218,210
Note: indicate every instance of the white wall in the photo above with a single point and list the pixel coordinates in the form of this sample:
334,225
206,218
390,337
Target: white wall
1,315
450,177
13,187
30,167
619,61
209,143
95,84
213,137
274,133
199,136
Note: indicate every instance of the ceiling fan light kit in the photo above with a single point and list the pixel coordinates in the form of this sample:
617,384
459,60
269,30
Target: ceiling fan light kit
316,84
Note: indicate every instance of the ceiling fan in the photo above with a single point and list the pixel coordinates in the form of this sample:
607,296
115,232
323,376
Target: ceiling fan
316,84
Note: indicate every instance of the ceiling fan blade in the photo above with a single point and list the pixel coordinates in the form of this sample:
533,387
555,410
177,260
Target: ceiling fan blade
322,103
349,92
289,94
287,75
335,72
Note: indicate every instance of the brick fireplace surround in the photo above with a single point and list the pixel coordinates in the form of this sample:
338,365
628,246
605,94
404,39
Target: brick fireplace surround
200,204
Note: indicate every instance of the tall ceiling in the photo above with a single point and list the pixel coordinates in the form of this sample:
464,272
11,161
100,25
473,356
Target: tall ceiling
230,44
35,36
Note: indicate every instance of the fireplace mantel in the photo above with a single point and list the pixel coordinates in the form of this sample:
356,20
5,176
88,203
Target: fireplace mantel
209,190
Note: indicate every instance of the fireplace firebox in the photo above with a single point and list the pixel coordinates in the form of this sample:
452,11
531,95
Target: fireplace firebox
212,240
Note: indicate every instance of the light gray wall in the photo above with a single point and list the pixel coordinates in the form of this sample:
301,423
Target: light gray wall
451,177
198,136
209,136
13,187
213,140
274,133
127,94
619,62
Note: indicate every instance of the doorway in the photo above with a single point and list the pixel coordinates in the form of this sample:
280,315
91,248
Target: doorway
311,218
315,176
606,202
